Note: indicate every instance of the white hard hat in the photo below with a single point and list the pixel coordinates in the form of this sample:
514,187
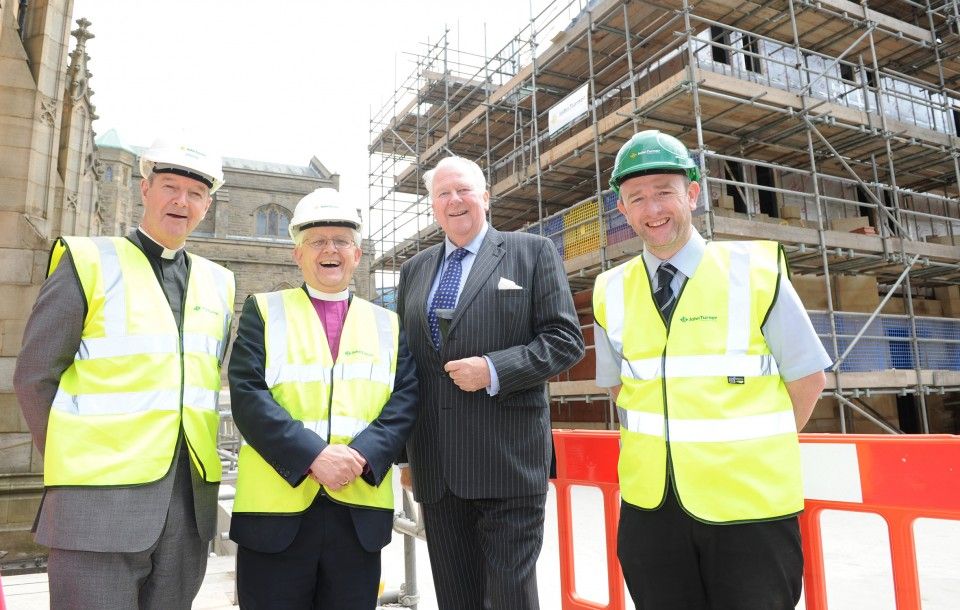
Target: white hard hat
183,160
323,207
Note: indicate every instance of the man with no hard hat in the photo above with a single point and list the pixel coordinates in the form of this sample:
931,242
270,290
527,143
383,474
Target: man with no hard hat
324,391
118,380
490,319
714,366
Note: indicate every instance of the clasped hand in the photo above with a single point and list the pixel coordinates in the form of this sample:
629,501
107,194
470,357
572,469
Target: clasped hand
470,374
337,466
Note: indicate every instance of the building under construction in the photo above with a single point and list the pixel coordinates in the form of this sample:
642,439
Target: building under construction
830,126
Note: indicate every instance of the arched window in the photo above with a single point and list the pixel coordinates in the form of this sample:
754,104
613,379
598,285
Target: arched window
272,221
108,174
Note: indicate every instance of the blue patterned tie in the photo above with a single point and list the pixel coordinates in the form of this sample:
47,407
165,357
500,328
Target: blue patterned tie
446,295
664,294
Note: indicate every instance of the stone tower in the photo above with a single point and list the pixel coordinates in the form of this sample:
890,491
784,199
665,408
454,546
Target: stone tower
47,185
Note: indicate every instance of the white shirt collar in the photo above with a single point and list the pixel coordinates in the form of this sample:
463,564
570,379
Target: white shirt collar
473,247
686,260
343,295
167,252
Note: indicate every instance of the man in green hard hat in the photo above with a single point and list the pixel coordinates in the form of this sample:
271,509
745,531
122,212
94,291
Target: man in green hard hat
714,370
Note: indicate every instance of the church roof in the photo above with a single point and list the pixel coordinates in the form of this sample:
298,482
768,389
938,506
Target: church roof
315,169
112,139
307,171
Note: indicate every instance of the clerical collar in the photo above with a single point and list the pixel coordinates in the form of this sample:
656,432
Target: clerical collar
343,295
156,247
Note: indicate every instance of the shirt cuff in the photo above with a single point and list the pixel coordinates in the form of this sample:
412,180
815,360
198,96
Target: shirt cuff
494,388
607,379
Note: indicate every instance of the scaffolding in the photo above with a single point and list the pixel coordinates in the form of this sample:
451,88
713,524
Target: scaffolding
809,119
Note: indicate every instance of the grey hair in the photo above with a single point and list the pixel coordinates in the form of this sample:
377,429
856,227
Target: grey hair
471,170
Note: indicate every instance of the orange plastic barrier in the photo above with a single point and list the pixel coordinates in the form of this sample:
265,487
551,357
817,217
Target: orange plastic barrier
900,478
588,458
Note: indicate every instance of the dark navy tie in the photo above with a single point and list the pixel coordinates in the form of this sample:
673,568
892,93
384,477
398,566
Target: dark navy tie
446,295
664,294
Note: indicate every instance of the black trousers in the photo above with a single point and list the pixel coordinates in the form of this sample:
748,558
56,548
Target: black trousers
671,561
483,552
324,568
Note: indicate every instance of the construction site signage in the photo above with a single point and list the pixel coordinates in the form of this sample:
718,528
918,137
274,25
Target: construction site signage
566,110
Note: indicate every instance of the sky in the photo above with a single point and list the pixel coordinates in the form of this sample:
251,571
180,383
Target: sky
280,81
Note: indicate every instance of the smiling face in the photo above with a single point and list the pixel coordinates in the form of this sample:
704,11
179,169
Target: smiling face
173,206
658,207
325,266
459,204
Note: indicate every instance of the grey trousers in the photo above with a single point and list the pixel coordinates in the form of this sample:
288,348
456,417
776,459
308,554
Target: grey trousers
166,576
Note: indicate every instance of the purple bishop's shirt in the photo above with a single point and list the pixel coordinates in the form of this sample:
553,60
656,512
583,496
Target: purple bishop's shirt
332,310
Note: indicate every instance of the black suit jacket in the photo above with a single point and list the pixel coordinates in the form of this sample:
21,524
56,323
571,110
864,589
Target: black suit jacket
476,445
290,448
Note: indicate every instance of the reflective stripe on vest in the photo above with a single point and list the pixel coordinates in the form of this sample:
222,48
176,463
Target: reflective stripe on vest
112,347
709,430
739,365
206,334
283,371
706,396
116,416
342,426
336,400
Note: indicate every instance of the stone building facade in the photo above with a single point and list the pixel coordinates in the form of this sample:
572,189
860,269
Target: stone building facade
55,179
48,185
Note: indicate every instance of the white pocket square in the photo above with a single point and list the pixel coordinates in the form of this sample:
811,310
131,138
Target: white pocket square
505,284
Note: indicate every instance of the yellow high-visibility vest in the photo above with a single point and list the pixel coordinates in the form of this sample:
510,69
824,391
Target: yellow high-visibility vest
705,396
135,379
337,400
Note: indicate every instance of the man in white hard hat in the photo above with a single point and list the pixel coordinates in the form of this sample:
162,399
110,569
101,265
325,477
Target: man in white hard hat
118,381
324,391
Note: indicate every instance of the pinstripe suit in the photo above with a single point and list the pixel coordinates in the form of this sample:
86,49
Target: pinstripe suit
480,463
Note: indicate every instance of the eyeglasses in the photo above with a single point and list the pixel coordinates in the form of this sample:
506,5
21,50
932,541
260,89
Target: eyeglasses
321,244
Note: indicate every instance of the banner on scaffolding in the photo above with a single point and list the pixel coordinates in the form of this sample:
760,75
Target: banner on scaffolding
566,110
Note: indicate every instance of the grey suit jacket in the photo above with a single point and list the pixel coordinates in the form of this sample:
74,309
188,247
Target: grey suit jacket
104,519
476,445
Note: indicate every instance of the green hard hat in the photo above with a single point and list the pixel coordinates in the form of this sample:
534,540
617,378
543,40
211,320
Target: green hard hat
652,152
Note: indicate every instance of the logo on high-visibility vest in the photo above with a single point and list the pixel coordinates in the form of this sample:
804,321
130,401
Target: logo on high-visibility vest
700,318
205,310
358,352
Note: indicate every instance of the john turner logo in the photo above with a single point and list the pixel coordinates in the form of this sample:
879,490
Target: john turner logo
206,309
357,352
637,153
703,318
